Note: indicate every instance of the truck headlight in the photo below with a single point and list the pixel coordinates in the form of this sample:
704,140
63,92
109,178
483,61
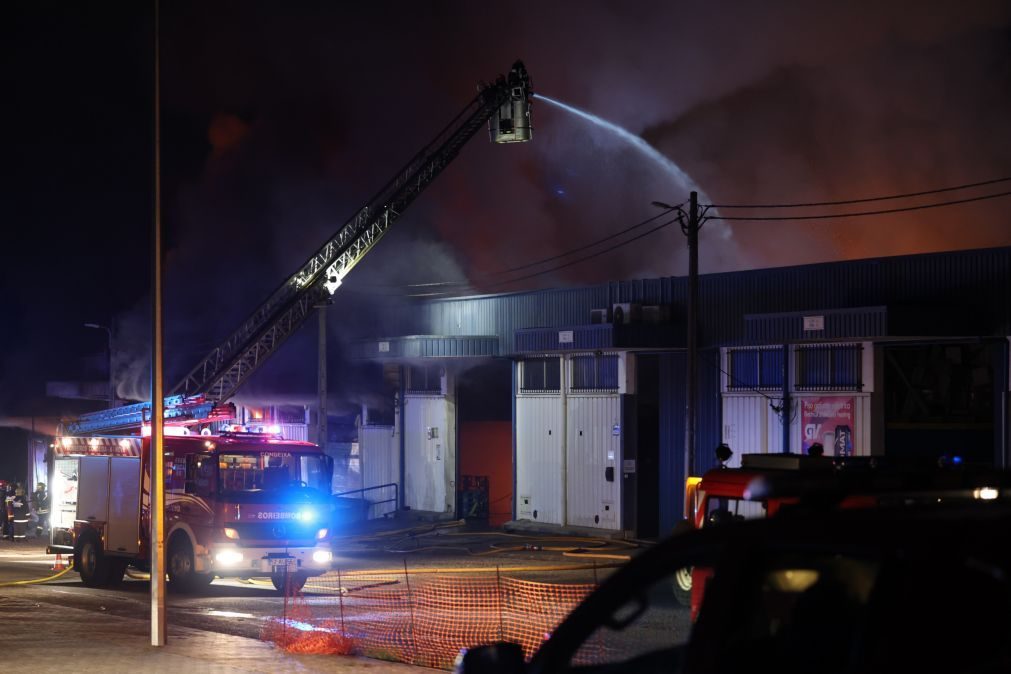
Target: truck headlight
228,557
322,556
321,534
231,533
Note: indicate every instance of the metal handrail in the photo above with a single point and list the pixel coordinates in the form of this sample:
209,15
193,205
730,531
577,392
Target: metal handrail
395,499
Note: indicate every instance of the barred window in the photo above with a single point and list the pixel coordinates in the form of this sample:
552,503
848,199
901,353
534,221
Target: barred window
541,374
830,367
750,369
595,373
424,379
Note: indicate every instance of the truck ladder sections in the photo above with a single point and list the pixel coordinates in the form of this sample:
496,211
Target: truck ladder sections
228,366
503,104
179,410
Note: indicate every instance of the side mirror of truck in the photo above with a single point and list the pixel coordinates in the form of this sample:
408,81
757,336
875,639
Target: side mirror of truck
499,658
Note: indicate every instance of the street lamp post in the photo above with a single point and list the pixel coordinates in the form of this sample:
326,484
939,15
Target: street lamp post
112,381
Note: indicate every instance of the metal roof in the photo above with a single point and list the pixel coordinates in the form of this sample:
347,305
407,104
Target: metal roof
971,289
425,346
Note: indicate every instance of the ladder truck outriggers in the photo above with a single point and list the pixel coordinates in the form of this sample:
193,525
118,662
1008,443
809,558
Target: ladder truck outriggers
240,503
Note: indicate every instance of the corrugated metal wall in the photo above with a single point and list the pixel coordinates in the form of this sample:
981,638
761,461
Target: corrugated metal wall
429,453
295,432
750,427
549,339
672,427
838,324
539,434
593,444
380,464
978,280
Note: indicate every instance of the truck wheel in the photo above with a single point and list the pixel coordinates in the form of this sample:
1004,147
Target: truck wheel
182,568
683,586
288,582
91,563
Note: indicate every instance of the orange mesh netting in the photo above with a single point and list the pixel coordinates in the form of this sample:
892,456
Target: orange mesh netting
423,619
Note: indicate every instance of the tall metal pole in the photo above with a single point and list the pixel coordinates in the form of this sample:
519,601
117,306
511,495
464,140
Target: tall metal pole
157,456
691,380
112,379
321,377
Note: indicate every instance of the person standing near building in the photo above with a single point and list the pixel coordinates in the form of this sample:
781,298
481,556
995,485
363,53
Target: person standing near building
40,504
6,489
20,513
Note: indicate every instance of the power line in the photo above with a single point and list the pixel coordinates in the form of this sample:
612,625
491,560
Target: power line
865,200
885,211
552,258
585,258
586,246
561,266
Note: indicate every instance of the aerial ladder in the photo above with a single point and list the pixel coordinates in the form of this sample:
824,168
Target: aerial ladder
504,105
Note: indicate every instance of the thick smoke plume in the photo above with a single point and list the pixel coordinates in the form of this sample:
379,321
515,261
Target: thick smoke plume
279,126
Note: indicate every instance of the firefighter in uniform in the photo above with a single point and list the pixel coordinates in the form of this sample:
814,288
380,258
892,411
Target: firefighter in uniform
6,489
21,514
40,504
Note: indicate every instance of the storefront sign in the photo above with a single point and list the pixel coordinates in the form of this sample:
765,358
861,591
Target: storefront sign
828,420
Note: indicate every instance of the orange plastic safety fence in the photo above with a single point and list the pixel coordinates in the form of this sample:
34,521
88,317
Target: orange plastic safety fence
422,619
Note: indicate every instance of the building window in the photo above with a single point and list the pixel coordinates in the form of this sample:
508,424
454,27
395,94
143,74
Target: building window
829,367
755,369
424,379
595,373
541,374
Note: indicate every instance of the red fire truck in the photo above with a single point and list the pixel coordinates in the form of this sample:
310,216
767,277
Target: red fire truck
237,504
727,494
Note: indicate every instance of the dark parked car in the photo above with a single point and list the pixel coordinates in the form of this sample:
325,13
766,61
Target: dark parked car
923,587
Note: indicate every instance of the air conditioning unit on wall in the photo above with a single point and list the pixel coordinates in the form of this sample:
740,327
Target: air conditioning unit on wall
626,312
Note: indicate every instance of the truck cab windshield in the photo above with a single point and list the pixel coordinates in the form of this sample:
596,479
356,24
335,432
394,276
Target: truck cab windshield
272,471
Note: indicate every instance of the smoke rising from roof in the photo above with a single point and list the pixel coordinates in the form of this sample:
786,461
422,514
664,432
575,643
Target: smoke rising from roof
279,125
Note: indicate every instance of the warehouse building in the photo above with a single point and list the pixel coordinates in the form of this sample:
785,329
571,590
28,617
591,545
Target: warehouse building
566,407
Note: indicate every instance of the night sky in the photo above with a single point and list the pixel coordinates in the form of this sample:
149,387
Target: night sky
281,119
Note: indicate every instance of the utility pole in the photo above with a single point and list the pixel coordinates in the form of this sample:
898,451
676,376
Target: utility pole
691,381
157,457
691,230
321,377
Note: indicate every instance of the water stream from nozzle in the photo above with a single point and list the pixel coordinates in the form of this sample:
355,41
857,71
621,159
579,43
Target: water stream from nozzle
638,143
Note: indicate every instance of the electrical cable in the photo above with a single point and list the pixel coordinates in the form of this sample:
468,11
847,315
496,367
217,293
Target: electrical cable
552,258
587,246
771,399
854,214
865,200
461,286
585,258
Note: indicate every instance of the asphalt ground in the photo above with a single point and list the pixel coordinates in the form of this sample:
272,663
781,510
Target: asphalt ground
239,609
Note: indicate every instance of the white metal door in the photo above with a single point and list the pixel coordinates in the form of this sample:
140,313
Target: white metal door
429,454
593,448
380,457
540,434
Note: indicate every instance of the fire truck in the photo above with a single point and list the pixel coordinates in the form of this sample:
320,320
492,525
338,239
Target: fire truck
765,483
225,515
238,504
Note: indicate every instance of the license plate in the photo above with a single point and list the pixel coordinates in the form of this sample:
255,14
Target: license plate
288,563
